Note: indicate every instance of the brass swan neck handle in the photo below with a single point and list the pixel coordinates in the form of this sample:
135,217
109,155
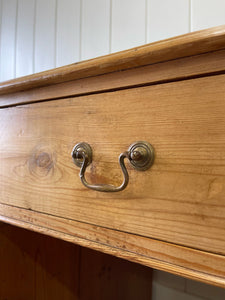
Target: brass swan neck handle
106,187
140,155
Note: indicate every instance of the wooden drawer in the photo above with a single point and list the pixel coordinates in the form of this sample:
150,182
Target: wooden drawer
180,199
170,94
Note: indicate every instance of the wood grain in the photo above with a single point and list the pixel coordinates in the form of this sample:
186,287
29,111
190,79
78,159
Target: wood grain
180,200
179,69
34,266
182,261
108,277
182,46
42,267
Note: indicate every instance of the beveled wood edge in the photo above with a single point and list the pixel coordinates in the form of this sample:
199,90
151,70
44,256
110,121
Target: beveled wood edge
123,245
207,64
177,47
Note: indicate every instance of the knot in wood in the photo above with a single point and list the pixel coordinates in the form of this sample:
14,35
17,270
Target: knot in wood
44,160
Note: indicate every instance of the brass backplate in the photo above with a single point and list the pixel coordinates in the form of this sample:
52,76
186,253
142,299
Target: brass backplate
141,155
77,156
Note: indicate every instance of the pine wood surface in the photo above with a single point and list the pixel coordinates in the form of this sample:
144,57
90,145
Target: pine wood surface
170,217
184,68
179,200
36,266
183,261
190,44
107,277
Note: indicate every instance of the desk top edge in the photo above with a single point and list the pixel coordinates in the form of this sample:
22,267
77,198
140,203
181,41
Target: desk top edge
190,44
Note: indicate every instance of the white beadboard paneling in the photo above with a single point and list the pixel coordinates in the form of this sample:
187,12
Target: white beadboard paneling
45,24
205,291
167,18
25,36
161,292
95,28
169,280
128,24
68,32
207,13
0,34
8,39
180,287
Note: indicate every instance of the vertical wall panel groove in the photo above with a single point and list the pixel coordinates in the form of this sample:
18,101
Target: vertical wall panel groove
128,24
34,30
58,32
190,16
80,40
167,18
7,43
45,35
16,29
0,33
67,32
36,35
146,21
25,35
207,13
110,27
56,29
95,28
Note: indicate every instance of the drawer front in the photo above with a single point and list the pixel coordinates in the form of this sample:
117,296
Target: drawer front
180,199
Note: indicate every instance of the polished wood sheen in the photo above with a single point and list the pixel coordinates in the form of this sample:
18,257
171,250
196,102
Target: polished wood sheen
194,43
175,70
184,261
180,199
170,94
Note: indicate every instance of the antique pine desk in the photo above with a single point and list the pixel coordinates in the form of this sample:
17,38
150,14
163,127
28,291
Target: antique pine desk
170,94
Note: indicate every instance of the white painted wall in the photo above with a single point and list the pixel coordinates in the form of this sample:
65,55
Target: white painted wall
170,287
36,35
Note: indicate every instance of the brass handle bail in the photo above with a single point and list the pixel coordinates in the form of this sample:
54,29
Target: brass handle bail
140,155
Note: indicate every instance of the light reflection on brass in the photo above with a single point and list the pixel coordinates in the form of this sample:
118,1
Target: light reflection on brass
140,155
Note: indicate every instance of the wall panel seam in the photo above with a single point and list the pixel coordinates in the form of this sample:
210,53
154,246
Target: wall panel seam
34,34
1,6
15,43
80,38
146,21
56,31
110,27
190,15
